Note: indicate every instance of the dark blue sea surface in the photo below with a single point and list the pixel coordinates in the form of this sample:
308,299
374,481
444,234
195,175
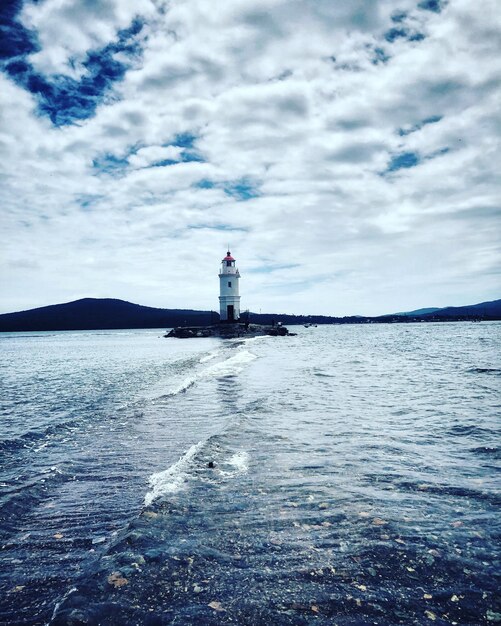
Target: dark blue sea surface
348,475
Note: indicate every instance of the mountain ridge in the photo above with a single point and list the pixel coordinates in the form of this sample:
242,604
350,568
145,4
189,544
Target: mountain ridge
431,309
112,313
99,313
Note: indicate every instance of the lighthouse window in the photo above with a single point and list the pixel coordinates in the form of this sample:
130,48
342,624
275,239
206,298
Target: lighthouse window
228,263
229,284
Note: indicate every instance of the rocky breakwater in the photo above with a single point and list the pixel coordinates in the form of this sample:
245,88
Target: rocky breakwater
229,331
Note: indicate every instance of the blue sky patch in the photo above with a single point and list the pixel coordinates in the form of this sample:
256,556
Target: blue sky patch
184,140
110,164
433,119
402,33
380,56
220,227
185,157
87,201
241,189
15,39
428,120
437,153
432,5
205,184
62,98
398,17
164,163
406,160
396,33
403,160
188,156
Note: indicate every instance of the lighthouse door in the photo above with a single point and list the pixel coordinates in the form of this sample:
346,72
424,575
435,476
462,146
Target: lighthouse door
230,313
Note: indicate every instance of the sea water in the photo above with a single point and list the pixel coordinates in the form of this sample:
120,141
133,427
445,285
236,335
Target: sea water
343,476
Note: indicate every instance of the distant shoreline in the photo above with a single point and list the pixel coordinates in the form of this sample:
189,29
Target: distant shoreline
165,328
112,314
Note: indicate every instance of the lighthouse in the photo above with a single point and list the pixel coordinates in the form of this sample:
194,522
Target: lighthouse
229,297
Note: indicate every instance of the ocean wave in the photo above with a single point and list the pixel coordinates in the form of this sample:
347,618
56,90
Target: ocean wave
15,335
446,490
234,365
181,387
246,340
23,493
322,374
470,430
31,438
229,367
173,478
487,450
210,356
485,370
239,462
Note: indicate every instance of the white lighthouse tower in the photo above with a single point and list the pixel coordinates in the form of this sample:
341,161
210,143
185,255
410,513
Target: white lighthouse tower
229,297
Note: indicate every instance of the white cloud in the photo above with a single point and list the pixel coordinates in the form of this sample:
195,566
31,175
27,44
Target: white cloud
68,29
155,154
286,101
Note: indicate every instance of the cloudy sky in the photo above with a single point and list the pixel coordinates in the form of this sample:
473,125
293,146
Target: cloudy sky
347,152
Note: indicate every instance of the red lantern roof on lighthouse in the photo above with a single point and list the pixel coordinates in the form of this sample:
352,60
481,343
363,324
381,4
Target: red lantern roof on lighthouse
228,257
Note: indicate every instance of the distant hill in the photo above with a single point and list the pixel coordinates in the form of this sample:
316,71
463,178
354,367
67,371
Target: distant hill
108,313
419,311
485,310
100,313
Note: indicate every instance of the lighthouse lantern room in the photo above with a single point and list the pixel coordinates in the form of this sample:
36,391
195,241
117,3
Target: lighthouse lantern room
229,297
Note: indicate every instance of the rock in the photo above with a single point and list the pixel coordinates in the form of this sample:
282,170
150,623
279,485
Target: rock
77,618
117,580
154,555
228,331
492,616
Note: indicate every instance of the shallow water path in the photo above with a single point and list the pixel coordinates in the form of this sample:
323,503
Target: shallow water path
344,476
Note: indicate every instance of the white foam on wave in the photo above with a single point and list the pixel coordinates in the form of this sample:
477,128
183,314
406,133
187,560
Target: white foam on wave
240,461
41,447
229,367
172,479
258,338
234,365
237,464
210,356
182,386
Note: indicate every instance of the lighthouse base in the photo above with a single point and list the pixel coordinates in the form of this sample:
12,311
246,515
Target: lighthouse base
228,330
